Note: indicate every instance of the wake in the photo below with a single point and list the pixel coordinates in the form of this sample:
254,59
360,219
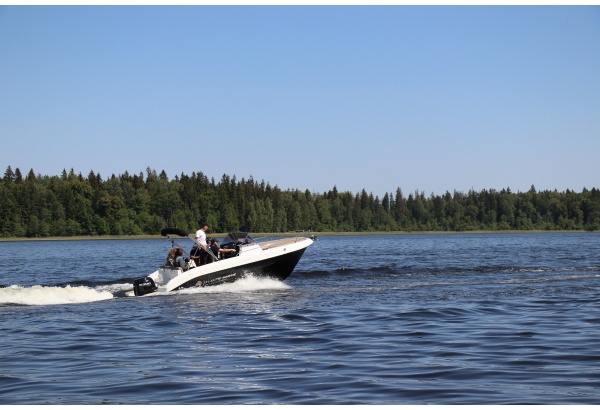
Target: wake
39,295
245,285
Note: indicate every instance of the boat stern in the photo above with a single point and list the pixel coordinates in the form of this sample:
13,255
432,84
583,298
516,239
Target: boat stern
143,286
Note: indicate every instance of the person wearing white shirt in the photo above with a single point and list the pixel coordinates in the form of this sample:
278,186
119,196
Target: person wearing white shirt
199,253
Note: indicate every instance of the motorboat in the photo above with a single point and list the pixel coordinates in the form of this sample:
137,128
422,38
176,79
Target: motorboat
241,256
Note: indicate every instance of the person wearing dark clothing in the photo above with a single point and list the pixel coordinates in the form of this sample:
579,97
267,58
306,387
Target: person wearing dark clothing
214,247
176,259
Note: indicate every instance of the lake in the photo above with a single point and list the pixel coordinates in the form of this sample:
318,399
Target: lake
377,319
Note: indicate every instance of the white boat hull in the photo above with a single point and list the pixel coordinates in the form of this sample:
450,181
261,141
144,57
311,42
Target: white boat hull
275,259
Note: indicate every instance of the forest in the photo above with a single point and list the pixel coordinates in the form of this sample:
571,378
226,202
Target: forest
37,206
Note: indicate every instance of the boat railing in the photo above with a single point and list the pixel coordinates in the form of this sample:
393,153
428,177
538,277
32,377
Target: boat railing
297,235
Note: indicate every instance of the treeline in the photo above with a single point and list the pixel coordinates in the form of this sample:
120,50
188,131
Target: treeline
70,204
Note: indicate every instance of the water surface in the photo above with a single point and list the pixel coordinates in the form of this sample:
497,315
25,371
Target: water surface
382,319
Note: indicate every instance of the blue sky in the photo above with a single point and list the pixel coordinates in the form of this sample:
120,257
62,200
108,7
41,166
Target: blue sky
428,98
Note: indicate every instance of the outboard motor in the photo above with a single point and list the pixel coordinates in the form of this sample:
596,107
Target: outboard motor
143,286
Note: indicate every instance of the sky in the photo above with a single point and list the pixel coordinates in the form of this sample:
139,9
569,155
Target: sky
421,98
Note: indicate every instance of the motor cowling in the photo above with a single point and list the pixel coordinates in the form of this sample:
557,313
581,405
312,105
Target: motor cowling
144,286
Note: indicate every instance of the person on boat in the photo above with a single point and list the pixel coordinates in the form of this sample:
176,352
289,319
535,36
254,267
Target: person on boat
176,259
220,253
211,251
198,252
214,249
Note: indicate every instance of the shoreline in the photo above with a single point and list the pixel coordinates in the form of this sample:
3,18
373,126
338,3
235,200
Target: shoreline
259,235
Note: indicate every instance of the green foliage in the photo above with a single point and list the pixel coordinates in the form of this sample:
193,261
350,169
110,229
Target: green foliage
69,204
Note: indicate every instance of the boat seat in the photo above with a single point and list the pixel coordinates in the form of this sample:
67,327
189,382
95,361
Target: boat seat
166,273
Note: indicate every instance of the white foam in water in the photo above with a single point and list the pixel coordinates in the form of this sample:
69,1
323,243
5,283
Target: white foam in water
47,295
117,287
247,284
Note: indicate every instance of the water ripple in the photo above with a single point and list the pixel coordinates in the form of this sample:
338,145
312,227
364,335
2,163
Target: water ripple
443,319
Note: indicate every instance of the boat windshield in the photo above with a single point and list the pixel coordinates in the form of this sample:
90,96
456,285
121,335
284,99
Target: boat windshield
238,238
